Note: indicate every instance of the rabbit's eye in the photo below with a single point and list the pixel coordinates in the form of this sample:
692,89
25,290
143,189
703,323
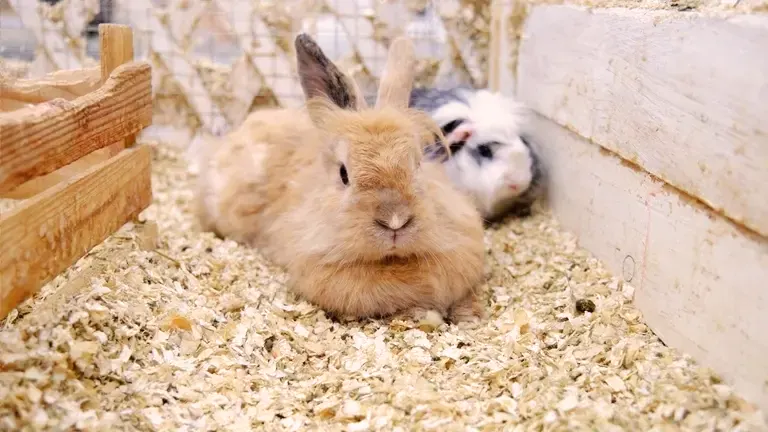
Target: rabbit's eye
343,175
485,151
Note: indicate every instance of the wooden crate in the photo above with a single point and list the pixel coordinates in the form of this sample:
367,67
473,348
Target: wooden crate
652,127
67,151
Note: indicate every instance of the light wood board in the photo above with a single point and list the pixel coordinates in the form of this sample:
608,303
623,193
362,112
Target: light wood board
38,140
700,280
67,84
52,230
116,49
681,94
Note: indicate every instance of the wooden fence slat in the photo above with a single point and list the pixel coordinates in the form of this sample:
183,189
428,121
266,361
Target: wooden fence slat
116,47
54,229
66,84
40,139
700,280
683,96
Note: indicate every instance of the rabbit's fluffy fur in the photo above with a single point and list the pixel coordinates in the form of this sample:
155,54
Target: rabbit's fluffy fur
339,195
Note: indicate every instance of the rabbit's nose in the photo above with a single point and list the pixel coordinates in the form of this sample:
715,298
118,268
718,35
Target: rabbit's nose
393,211
395,222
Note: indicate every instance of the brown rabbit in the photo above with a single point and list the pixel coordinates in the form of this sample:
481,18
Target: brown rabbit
339,195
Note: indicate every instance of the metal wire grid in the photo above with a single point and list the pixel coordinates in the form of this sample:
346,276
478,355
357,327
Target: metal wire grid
217,36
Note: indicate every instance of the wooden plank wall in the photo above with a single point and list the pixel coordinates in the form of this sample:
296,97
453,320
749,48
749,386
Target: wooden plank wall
653,125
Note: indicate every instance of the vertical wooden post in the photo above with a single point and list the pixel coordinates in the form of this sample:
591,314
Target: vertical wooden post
116,47
494,56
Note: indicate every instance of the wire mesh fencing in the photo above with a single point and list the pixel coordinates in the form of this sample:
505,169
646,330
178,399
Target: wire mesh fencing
216,60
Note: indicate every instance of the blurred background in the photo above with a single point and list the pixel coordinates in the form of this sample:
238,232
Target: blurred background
215,60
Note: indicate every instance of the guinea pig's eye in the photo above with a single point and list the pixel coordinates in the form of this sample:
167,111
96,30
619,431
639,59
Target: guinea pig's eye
485,151
343,175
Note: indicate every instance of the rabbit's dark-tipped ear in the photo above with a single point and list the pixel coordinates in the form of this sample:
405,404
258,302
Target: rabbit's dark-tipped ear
321,78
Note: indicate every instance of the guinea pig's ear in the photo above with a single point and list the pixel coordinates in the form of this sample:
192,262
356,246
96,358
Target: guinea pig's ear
459,133
320,78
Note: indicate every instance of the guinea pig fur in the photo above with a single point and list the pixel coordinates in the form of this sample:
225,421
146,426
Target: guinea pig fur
341,195
490,157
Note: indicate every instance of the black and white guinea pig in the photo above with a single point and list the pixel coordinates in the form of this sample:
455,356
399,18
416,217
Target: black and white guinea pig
490,158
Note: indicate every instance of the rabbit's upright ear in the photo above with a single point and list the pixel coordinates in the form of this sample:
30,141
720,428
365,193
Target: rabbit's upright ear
321,78
397,78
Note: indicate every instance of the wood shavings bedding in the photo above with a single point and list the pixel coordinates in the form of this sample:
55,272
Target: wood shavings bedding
200,334
705,6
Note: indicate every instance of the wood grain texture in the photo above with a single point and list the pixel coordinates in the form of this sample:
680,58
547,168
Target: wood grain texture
38,140
682,95
116,49
36,185
503,48
700,280
51,231
65,84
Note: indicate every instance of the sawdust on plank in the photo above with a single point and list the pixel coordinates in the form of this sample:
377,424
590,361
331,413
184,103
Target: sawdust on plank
200,334
727,6
6,205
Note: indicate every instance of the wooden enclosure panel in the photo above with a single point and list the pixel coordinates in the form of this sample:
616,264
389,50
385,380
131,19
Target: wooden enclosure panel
116,47
66,84
700,281
38,184
115,50
503,47
40,139
682,95
51,231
